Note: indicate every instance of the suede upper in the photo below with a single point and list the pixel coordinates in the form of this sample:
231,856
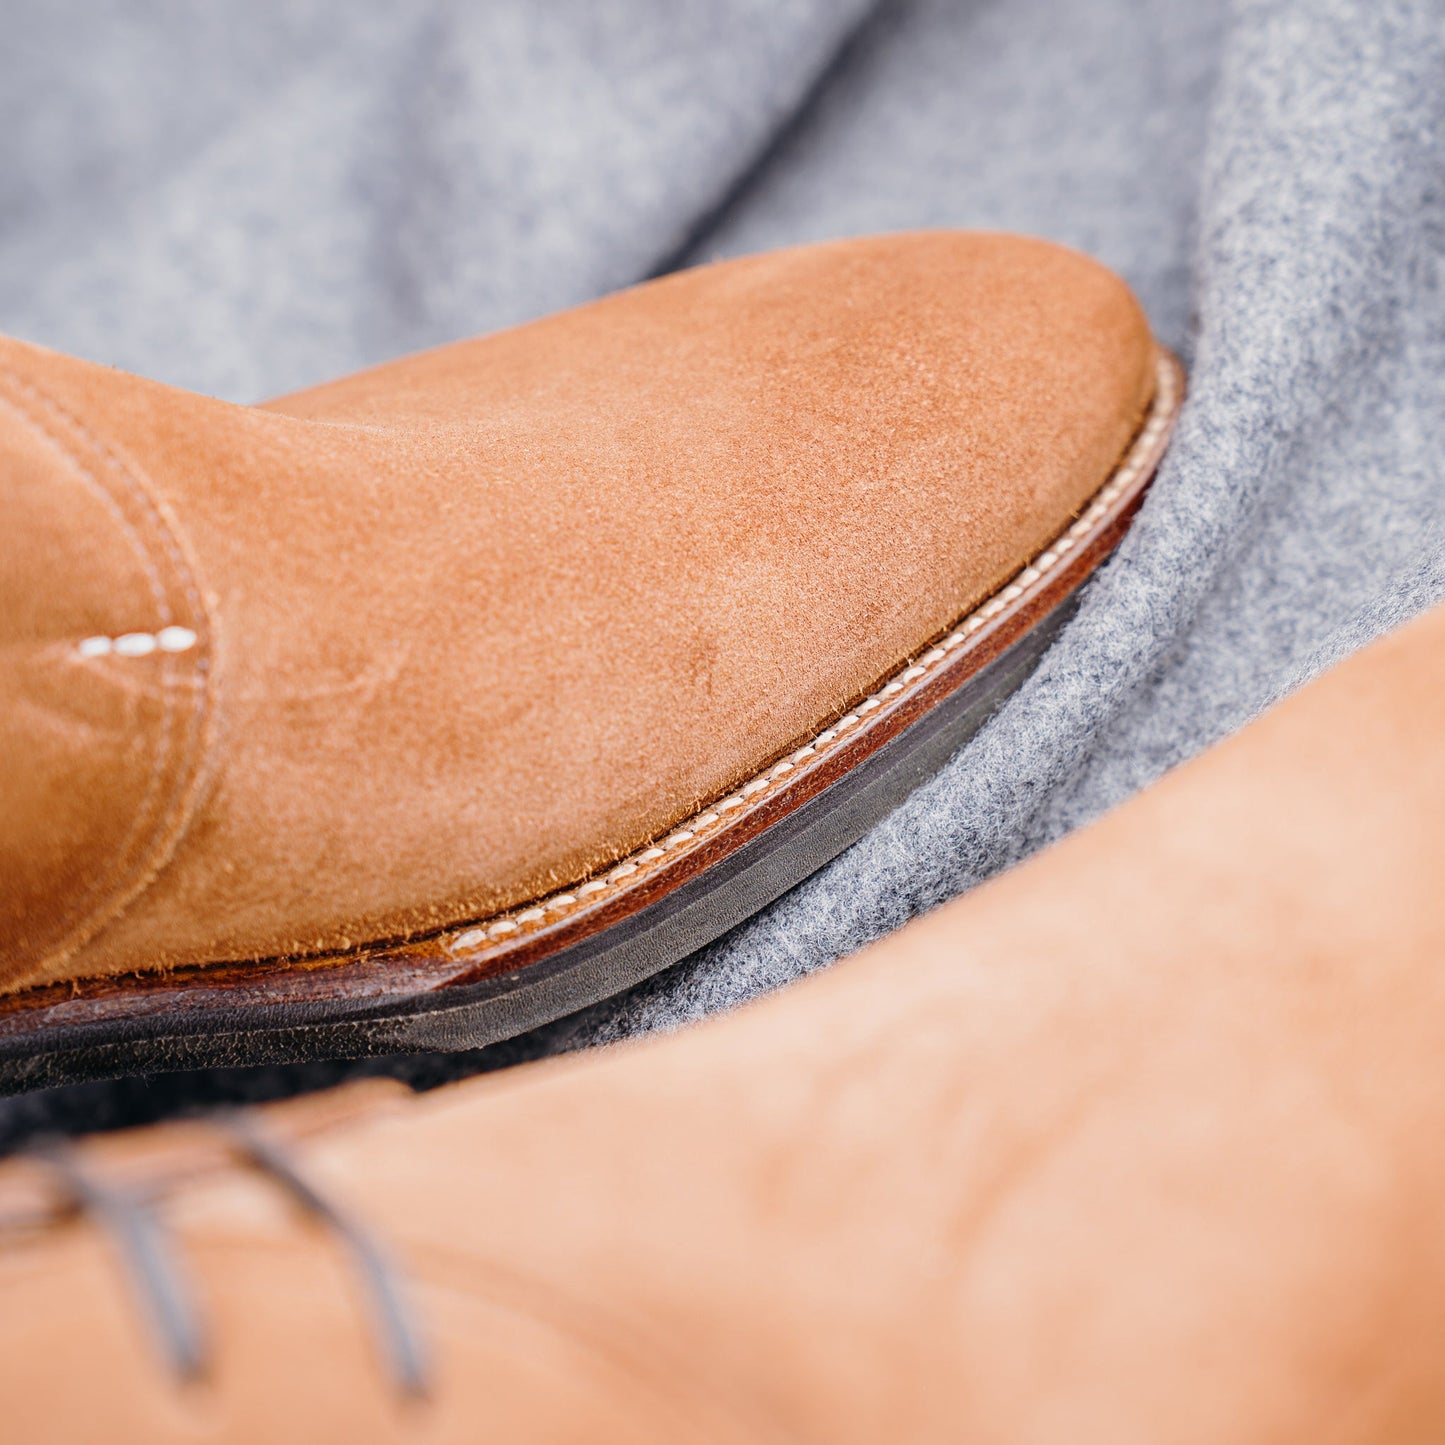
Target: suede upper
470,625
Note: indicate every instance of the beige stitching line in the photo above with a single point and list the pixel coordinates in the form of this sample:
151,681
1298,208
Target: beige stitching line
205,701
103,886
474,941
117,892
98,490
138,644
138,493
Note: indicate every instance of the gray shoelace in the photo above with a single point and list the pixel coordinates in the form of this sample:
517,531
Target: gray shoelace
137,1226
400,1341
145,1245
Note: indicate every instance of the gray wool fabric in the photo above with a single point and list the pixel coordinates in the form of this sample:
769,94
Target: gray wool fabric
246,198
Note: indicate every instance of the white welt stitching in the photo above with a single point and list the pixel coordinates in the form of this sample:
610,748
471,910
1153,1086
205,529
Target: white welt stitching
1139,456
139,644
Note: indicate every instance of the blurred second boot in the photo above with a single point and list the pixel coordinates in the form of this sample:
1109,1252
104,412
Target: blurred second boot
1139,1142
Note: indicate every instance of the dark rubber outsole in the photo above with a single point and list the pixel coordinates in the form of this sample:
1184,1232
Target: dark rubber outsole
451,993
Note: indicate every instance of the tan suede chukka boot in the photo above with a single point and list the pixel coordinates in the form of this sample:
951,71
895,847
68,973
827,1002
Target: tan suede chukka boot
1138,1143
416,709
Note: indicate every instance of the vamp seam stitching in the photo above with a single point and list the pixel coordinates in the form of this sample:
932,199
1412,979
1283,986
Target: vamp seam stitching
136,861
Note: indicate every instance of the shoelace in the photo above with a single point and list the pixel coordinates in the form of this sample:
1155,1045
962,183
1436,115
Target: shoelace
145,1245
136,1224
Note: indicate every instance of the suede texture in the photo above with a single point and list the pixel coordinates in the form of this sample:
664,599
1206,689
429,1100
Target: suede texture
99,757
1160,1163
483,620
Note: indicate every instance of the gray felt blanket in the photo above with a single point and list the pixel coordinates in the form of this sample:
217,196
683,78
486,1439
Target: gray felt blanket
244,198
